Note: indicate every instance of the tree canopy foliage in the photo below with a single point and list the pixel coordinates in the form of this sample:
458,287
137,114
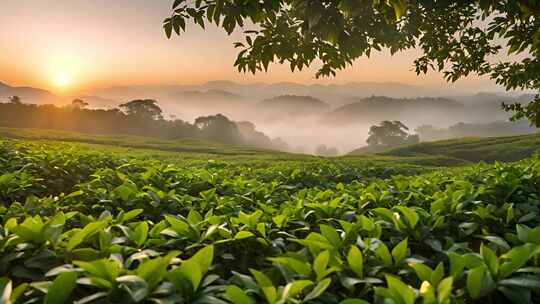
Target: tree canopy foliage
143,108
78,103
141,118
15,100
219,126
457,38
390,134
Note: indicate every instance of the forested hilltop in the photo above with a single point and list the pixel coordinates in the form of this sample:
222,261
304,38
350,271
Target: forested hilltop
138,117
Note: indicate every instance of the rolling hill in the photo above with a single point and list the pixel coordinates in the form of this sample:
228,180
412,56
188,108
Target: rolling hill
27,94
470,149
447,153
292,106
335,94
376,108
207,98
186,145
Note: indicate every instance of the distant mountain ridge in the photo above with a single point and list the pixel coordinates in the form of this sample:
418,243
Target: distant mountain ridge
377,108
40,96
208,95
350,102
295,100
27,94
335,94
292,105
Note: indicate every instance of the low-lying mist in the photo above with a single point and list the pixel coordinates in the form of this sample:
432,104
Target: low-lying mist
314,119
306,123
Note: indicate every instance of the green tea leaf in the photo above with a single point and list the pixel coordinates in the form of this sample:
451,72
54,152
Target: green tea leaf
318,290
236,295
490,258
411,215
266,285
189,272
298,266
403,290
140,233
356,261
513,260
423,272
331,234
154,270
204,258
61,288
321,263
85,233
105,269
475,280
383,254
136,287
178,225
293,289
444,290
457,264
437,274
194,217
400,251
243,235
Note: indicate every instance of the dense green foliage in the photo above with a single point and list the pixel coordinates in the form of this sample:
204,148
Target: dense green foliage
144,109
458,130
390,134
457,38
475,149
139,118
201,151
99,224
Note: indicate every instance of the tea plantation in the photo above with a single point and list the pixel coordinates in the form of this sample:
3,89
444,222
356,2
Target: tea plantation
88,221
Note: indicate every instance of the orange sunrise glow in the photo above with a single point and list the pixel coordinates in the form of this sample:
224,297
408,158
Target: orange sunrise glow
79,45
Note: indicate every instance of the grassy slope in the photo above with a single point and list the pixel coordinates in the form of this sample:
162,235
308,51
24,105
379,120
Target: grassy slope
189,152
446,153
127,141
489,149
469,149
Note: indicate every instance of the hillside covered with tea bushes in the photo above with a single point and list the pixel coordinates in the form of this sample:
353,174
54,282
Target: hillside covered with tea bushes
89,223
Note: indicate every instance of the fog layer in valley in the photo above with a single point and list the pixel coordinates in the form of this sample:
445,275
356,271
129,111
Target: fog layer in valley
308,116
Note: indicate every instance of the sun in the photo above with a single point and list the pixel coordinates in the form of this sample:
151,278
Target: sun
62,80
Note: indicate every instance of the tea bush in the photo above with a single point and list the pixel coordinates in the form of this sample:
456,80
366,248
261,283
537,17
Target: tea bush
85,225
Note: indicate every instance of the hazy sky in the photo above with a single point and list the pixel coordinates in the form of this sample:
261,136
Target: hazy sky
83,44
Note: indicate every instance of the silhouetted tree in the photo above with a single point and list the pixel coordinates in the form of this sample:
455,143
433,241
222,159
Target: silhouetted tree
145,109
219,128
98,121
78,103
15,100
249,132
390,134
